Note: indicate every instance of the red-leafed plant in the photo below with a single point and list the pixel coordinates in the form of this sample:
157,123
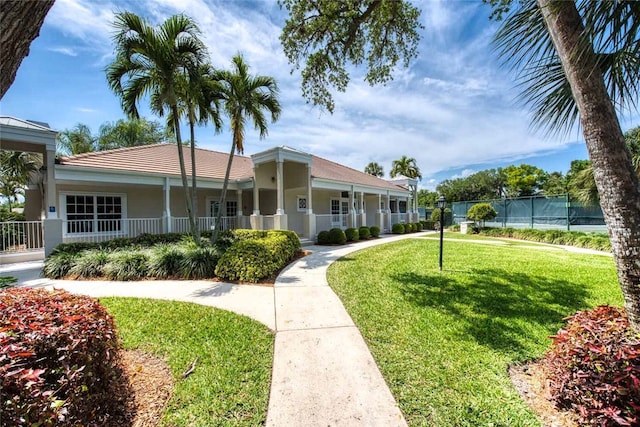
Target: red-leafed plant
594,368
59,360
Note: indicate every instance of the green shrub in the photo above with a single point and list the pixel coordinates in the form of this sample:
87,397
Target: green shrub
164,261
397,228
63,369
374,231
408,228
7,281
126,265
90,264
246,260
58,265
481,212
198,262
594,367
324,238
337,236
293,240
364,232
428,225
419,226
352,234
448,216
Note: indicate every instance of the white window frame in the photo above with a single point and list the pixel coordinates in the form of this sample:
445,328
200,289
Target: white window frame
211,200
62,198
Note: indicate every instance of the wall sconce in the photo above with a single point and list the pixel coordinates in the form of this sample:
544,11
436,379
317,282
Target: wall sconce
273,179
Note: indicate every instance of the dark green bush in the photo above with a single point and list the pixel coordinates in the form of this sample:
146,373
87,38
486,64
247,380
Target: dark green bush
60,363
164,261
246,260
597,241
481,212
428,225
198,262
364,232
126,265
374,231
397,228
58,265
352,234
324,238
90,264
419,226
337,236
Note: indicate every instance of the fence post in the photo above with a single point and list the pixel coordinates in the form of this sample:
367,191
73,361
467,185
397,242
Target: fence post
568,205
504,215
531,198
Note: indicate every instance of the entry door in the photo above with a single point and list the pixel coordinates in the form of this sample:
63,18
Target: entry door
345,212
339,212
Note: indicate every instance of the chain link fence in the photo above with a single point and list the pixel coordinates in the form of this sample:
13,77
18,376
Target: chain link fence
538,212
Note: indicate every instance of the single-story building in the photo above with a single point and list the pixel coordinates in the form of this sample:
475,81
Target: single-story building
128,191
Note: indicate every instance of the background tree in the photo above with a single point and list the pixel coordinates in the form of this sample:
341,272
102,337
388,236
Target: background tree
130,133
524,180
245,97
20,21
374,169
16,169
427,198
150,61
405,166
483,185
325,36
76,140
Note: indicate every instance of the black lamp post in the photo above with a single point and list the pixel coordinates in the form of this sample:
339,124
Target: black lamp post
442,204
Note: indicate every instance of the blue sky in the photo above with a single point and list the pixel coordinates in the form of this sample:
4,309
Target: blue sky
454,109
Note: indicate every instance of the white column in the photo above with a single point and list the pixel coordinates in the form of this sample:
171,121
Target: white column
280,188
256,194
352,211
51,208
239,201
166,214
309,190
389,211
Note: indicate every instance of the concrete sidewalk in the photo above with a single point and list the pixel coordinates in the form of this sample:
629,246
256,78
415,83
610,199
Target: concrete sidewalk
323,373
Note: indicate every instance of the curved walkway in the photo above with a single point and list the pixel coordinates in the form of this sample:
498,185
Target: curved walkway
323,372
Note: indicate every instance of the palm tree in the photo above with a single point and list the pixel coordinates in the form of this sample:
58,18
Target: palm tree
150,61
200,102
76,140
16,168
130,133
374,169
244,97
580,60
405,166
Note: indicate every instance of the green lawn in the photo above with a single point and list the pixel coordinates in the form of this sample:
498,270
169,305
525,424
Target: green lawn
444,341
230,385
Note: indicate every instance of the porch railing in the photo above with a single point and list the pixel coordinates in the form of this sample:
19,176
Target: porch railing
107,229
21,236
398,217
181,224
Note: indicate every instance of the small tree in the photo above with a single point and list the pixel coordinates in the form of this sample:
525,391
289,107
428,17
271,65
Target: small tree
481,212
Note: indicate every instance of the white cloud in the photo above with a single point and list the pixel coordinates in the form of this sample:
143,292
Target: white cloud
87,110
64,50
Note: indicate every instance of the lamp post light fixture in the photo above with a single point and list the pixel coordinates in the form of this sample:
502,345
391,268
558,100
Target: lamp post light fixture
442,204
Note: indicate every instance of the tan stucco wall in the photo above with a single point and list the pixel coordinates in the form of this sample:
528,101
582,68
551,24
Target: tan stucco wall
295,175
264,173
268,202
32,205
295,219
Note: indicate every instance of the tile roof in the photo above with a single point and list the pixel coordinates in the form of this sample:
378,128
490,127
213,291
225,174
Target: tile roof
163,159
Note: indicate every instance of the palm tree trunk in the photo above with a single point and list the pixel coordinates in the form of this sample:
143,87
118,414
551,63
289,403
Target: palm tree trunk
183,172
613,171
223,196
194,184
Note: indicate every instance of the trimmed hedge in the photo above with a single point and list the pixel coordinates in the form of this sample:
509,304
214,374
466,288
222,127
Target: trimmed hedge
364,232
324,238
59,360
428,225
352,234
143,240
337,236
398,228
375,231
597,241
253,259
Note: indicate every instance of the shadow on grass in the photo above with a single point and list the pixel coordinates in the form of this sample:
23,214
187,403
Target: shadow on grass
497,308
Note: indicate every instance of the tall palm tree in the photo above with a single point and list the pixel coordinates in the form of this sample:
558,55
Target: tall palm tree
150,62
374,169
579,60
405,166
76,140
244,97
